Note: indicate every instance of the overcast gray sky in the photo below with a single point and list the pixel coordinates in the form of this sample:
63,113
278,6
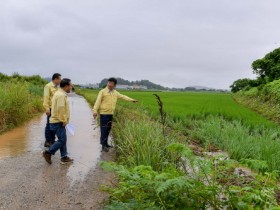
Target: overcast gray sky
175,43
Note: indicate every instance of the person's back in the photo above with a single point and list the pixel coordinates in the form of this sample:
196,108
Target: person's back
60,108
49,90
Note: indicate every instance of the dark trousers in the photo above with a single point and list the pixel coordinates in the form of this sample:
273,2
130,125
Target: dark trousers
105,126
49,134
60,144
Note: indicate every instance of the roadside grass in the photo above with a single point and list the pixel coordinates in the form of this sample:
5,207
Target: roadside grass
160,172
152,168
139,141
89,94
20,99
240,141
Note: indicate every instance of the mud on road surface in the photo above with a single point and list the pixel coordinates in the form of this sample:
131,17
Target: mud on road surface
28,182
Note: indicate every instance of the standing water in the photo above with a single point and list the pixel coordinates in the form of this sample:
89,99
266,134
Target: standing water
83,147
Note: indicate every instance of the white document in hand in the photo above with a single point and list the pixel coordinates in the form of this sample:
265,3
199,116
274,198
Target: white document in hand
71,129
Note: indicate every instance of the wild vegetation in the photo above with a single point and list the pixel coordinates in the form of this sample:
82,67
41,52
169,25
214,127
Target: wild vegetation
262,96
264,100
267,69
157,171
20,99
216,119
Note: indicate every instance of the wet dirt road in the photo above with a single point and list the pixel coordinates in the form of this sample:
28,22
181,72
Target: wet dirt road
28,182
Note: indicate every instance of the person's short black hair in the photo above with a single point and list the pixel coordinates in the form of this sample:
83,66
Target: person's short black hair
56,76
65,82
112,79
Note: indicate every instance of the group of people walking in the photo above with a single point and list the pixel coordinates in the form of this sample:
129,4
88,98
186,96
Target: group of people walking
58,115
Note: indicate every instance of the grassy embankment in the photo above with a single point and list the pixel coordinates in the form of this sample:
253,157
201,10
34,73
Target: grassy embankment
20,99
264,100
153,171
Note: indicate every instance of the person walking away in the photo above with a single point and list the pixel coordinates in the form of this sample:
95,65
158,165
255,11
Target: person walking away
49,91
105,106
59,119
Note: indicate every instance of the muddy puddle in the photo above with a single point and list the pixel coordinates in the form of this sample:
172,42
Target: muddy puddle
83,147
26,138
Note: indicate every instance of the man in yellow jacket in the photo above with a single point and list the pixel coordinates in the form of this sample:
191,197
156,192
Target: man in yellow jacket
59,119
49,91
105,105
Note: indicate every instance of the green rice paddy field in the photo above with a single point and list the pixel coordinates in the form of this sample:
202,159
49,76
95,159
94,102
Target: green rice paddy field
181,105
213,119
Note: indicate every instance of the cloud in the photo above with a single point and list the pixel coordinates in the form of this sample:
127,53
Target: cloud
174,43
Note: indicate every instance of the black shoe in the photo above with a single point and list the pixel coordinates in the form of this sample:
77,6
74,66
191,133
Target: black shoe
109,146
47,156
66,160
105,149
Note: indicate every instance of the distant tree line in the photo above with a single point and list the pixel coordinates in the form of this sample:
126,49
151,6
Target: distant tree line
152,86
267,70
147,83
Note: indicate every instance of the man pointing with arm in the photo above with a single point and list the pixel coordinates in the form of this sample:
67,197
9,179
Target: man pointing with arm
105,105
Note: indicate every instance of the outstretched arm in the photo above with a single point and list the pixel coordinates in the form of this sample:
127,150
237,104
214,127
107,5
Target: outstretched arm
126,98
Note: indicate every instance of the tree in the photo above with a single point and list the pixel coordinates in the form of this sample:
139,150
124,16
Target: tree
269,66
241,84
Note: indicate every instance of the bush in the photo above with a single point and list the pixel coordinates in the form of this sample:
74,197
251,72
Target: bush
18,103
